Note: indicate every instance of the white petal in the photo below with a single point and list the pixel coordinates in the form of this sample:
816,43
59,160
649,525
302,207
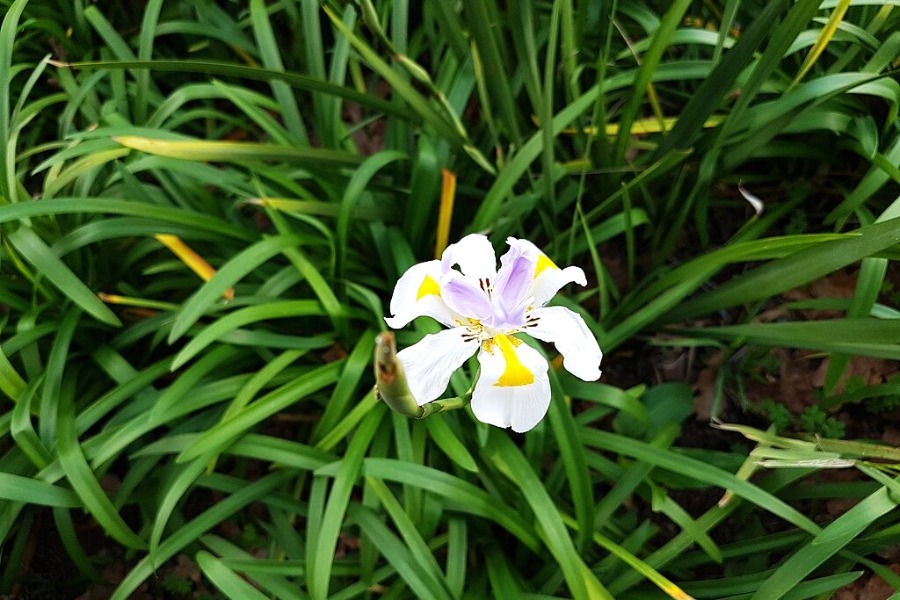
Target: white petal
513,389
568,332
430,363
549,279
475,256
417,294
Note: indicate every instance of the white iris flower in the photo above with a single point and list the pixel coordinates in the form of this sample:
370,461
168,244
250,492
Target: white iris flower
484,310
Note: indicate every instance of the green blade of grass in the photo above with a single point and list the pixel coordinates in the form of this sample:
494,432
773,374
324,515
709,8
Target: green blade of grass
22,430
793,271
719,83
238,267
284,309
355,188
824,545
700,471
226,151
433,584
264,572
281,452
399,84
191,531
88,205
11,383
271,58
224,433
620,552
226,69
651,59
145,52
825,36
397,554
8,31
490,48
572,455
35,251
862,337
84,482
582,583
357,365
16,488
223,577
172,491
322,545
445,439
465,496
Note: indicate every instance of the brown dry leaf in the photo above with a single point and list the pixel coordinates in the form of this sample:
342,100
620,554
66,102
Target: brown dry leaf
870,587
369,139
346,544
335,352
705,387
839,284
891,436
186,568
871,370
793,386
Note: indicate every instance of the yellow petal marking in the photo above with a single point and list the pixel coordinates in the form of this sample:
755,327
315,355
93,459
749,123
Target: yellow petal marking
543,263
429,286
515,373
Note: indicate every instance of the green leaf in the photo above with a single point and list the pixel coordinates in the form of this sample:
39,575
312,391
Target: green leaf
238,267
581,581
230,583
825,544
792,271
284,309
192,530
35,251
322,546
226,151
221,435
445,439
428,581
864,337
16,488
700,471
84,482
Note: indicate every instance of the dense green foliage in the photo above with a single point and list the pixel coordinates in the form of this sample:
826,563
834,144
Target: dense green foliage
297,146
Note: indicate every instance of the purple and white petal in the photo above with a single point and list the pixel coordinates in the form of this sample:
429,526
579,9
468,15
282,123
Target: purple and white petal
547,277
475,256
570,335
516,274
463,297
430,362
417,294
513,389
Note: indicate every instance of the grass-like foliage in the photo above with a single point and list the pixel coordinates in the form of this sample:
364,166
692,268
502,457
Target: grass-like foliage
205,205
